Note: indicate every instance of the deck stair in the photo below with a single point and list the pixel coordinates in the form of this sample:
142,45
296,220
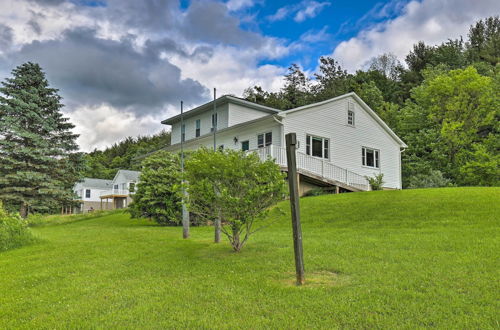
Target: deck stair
317,169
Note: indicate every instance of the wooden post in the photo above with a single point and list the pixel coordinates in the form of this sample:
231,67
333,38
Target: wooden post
185,212
291,144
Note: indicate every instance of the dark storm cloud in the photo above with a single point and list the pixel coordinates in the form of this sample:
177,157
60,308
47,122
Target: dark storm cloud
6,37
209,21
89,70
151,15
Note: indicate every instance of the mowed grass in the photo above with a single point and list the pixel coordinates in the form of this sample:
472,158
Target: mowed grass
391,259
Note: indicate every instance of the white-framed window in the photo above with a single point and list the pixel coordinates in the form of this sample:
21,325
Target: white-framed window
370,157
183,132
116,187
350,114
245,145
264,139
350,118
198,128
214,121
87,193
317,146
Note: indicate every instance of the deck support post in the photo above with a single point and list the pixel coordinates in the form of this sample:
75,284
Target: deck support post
293,184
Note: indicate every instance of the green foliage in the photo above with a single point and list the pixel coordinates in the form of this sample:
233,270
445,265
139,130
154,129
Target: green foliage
433,179
127,154
317,192
376,182
235,187
13,231
38,160
157,194
452,114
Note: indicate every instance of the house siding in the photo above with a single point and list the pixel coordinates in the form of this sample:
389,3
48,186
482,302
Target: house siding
329,120
239,114
206,124
248,132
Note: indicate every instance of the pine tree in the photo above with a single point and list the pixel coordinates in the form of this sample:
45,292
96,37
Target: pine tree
39,162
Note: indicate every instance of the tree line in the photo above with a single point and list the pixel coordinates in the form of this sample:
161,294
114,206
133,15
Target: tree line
444,103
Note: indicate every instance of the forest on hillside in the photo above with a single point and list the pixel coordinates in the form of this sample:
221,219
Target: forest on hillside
443,102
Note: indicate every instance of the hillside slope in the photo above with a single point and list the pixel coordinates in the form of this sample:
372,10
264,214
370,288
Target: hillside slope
391,259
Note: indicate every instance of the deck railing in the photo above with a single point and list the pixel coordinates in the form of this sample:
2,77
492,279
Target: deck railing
116,192
315,166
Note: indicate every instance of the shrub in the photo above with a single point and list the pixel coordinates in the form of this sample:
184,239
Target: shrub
235,187
13,231
317,192
157,196
433,179
376,182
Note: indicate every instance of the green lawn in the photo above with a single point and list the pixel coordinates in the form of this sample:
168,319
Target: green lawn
392,259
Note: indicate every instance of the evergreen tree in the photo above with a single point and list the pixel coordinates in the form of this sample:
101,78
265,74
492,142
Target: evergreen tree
38,160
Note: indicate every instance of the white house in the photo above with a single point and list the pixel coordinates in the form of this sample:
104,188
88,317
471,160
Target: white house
101,194
341,140
89,192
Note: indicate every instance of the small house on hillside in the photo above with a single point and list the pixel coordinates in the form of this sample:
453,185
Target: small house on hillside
341,140
101,194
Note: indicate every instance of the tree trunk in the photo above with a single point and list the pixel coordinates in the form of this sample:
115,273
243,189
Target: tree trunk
23,211
236,243
217,230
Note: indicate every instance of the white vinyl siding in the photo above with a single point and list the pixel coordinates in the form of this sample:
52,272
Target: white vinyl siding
248,133
240,114
205,119
329,120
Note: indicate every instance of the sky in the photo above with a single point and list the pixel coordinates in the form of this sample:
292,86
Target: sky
122,66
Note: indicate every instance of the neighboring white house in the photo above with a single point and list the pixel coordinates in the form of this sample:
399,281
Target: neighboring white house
89,192
341,140
101,194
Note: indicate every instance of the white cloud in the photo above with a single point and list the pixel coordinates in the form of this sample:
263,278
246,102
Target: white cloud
431,21
310,10
102,125
231,70
303,10
234,5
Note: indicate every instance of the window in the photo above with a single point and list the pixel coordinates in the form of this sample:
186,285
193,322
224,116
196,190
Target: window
245,145
87,193
370,157
116,187
265,139
350,118
317,146
198,127
131,186
214,122
183,132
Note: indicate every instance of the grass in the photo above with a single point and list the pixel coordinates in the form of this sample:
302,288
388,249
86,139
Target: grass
391,259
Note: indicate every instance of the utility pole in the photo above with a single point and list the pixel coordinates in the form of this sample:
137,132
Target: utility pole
217,223
215,120
185,212
291,145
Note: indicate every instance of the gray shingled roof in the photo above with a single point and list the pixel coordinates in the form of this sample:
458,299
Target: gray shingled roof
130,175
97,183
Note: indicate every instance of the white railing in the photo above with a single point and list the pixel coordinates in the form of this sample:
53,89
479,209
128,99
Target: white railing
316,166
116,192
